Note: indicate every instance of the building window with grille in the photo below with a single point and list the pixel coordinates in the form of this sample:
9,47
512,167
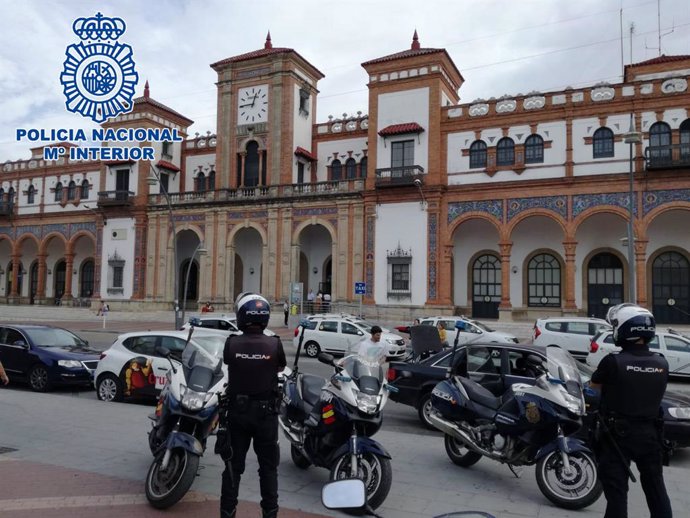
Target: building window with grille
71,191
58,192
300,172
84,194
212,180
602,142
544,281
350,168
660,142
363,167
399,273
116,277
31,195
478,154
336,170
201,182
505,151
402,155
534,150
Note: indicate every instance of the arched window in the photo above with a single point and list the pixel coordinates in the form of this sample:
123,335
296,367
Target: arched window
251,164
660,142
201,182
363,167
58,192
86,279
2,194
350,168
544,281
31,195
478,154
505,151
10,196
602,143
84,190
685,140
71,191
336,170
212,181
534,150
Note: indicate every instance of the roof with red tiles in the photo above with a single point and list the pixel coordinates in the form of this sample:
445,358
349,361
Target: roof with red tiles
399,129
118,162
167,165
300,151
268,50
660,59
414,50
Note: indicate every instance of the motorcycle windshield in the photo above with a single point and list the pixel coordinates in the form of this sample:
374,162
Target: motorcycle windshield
204,351
368,363
563,366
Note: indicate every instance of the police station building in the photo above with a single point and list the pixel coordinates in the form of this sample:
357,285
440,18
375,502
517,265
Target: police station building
510,208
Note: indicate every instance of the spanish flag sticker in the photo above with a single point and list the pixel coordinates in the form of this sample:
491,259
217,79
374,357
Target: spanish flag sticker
327,414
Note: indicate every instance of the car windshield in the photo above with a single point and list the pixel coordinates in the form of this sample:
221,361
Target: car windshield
483,327
50,337
206,351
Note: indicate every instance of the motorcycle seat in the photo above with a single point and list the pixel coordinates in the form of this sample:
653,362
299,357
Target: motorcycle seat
480,395
311,388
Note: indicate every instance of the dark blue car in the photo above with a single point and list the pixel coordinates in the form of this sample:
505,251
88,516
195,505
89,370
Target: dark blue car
46,356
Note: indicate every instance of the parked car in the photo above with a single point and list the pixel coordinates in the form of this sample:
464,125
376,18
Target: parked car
474,331
133,367
672,344
338,335
46,356
496,367
573,334
225,323
344,316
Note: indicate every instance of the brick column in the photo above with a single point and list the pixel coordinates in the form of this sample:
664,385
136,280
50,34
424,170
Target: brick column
570,248
445,289
505,248
15,275
41,288
641,271
69,264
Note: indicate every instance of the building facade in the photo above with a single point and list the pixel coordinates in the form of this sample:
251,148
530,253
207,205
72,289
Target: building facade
511,208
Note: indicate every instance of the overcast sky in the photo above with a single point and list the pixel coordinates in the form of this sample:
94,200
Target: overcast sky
499,46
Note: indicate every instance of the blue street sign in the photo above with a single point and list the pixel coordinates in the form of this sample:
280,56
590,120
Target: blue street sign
360,288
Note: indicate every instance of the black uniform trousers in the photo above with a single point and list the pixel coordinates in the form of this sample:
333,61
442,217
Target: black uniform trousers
640,443
257,423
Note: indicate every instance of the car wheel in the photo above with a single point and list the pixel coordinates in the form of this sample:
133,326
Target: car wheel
109,388
312,349
424,409
38,378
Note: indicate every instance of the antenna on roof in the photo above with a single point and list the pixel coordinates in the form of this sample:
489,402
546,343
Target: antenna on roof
658,29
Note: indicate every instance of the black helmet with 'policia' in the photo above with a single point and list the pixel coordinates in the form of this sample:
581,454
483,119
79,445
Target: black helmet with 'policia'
632,324
252,309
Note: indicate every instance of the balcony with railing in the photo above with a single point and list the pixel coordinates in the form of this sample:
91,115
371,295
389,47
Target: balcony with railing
115,198
257,193
667,157
399,176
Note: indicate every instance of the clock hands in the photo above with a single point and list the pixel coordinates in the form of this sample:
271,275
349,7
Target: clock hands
253,101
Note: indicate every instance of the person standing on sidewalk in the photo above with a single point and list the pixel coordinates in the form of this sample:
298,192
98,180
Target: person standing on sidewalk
286,311
254,361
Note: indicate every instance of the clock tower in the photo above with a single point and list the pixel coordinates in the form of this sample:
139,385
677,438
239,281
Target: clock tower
266,111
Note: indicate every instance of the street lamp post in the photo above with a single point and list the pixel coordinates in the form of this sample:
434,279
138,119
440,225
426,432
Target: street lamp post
201,250
631,137
153,180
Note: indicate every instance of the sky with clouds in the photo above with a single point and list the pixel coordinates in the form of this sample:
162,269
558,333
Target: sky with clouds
500,47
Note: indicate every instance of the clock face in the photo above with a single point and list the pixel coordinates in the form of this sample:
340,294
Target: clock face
252,104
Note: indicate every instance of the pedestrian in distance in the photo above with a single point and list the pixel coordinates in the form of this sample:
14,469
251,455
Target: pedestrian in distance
254,361
442,334
310,301
286,311
632,384
102,309
207,308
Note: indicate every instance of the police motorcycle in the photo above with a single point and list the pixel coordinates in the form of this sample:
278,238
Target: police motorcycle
329,423
527,425
186,414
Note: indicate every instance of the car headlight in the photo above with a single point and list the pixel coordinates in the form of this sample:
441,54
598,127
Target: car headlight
391,341
70,363
367,403
680,412
193,400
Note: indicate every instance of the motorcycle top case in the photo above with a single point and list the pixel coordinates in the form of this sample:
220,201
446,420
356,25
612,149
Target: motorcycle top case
452,404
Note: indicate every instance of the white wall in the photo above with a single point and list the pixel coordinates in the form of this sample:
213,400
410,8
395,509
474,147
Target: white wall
342,147
123,227
669,229
403,224
468,239
399,108
302,132
248,246
206,162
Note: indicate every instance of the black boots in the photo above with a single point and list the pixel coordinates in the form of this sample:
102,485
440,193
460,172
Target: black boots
226,514
273,513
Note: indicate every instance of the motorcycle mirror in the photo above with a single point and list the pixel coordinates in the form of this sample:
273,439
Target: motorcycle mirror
348,493
326,358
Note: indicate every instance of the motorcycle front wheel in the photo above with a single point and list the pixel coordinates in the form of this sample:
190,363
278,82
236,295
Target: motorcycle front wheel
374,470
165,488
575,490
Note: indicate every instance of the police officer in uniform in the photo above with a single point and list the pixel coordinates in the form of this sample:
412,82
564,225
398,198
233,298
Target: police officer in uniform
254,361
632,384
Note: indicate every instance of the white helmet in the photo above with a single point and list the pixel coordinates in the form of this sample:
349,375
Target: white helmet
631,323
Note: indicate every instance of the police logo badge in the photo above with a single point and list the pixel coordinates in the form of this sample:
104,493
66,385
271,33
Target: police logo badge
98,77
532,413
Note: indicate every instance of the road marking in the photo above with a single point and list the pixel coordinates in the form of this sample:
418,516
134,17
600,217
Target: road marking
62,502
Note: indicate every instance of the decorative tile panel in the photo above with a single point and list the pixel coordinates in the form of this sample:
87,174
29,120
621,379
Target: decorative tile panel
78,227
320,211
677,84
8,231
582,202
653,199
369,257
190,217
493,207
35,230
431,259
557,204
248,214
